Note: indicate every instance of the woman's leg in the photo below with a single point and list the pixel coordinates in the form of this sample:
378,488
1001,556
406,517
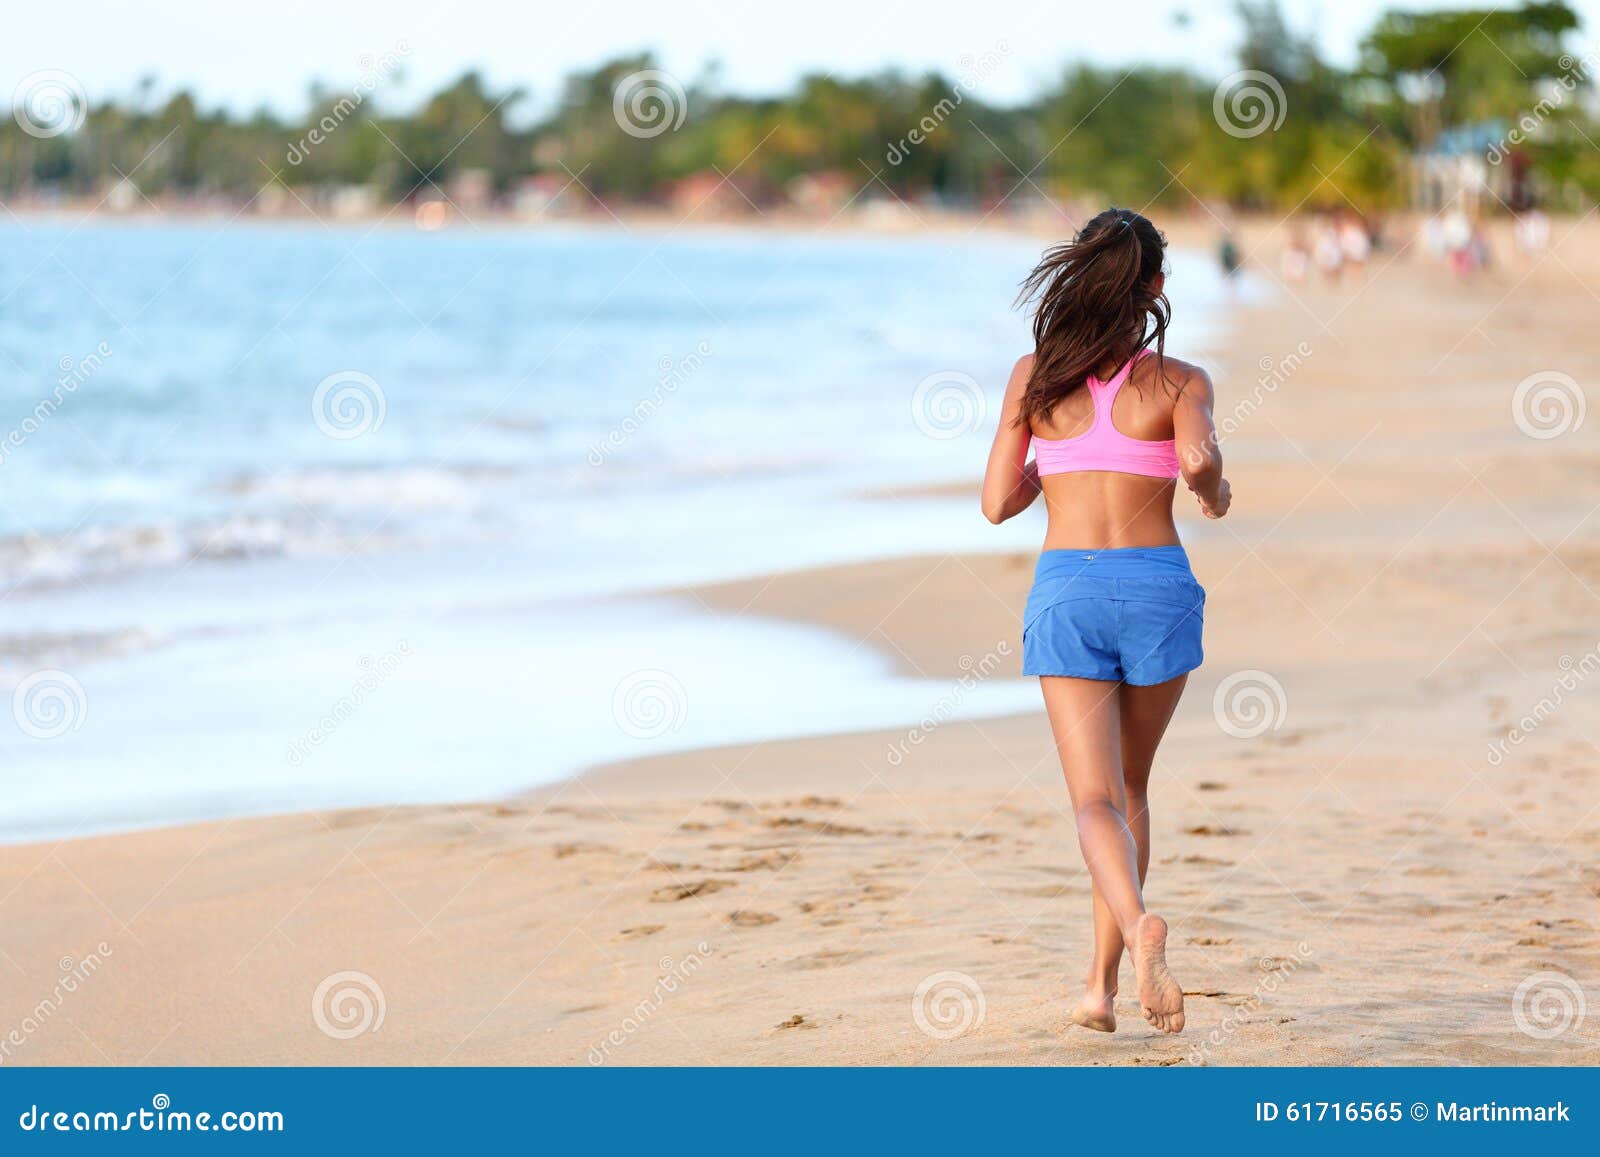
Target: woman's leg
1144,714
1086,718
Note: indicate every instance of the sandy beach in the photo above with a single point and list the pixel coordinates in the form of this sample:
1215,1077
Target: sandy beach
1377,846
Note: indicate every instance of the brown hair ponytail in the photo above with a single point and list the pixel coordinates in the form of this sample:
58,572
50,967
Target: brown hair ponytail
1096,302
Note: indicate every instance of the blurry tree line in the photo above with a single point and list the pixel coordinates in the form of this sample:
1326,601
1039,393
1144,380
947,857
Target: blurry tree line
1152,134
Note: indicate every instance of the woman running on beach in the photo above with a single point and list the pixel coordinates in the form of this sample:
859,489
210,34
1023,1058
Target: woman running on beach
1112,626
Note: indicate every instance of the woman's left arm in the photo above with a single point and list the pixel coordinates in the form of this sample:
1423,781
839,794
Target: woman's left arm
1011,482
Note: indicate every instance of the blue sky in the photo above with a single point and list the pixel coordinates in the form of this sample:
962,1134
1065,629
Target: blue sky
243,56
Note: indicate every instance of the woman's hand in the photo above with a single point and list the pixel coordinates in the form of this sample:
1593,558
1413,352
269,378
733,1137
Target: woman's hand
1216,506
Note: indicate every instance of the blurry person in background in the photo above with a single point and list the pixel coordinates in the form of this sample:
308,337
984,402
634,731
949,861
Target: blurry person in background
1478,253
1327,250
1296,260
1228,255
1532,232
1354,243
1456,233
1112,626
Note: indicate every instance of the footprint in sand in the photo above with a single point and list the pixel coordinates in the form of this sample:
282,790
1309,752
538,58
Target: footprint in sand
820,827
685,891
744,919
640,931
827,958
1214,830
814,801
1211,941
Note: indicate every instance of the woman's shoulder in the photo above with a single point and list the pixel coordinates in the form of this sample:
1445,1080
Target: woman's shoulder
1176,376
1021,372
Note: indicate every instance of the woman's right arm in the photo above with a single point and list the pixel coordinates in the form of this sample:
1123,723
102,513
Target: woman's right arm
1011,482
1199,455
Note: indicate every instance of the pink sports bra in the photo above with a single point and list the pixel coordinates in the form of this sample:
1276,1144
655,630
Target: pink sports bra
1103,446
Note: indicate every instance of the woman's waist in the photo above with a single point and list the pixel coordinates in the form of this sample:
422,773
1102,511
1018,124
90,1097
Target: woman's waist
1109,511
1167,560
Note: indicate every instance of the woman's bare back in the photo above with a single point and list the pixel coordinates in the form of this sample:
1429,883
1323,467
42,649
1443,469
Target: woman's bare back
1102,509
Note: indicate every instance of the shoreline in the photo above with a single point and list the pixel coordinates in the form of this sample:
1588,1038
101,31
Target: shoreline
1356,882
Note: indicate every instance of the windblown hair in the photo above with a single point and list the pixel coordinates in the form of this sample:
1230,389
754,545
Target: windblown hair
1096,304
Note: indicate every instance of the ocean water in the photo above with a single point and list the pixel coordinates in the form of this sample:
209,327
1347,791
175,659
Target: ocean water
293,516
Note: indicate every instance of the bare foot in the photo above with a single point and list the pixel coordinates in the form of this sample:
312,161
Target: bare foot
1159,994
1094,1011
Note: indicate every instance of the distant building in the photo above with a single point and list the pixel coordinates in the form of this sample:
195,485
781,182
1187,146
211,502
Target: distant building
348,202
822,193
543,195
123,196
709,194
471,191
1471,166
